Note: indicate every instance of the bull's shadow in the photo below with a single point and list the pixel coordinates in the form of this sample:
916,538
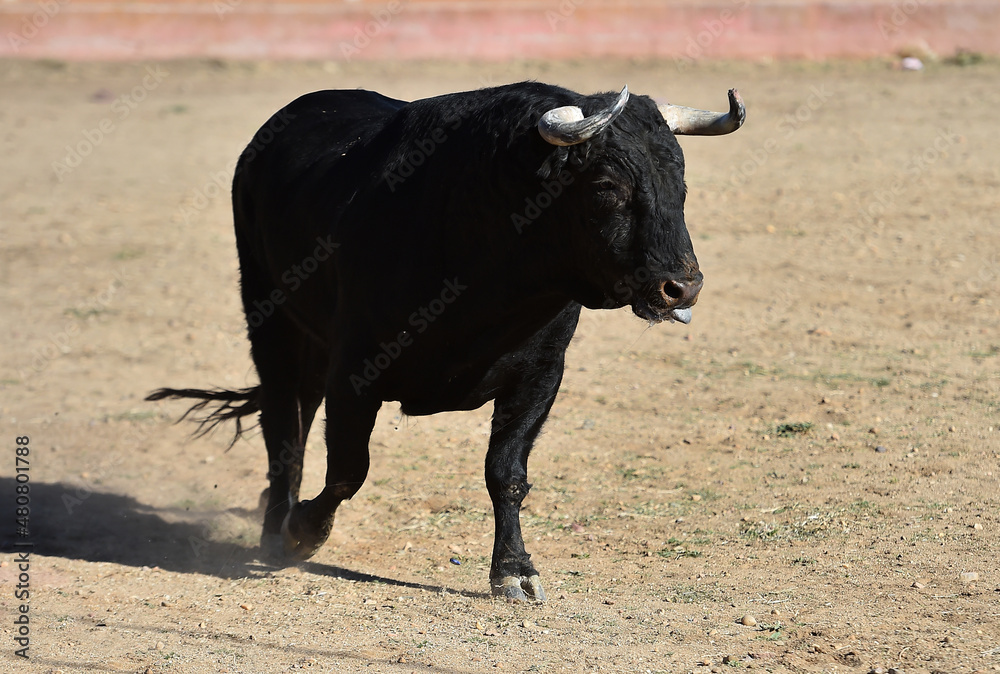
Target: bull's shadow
105,527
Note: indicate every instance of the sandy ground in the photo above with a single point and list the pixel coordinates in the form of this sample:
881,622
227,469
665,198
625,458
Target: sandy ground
818,450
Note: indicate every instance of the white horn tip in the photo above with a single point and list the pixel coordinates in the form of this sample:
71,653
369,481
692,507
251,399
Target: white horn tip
622,100
568,113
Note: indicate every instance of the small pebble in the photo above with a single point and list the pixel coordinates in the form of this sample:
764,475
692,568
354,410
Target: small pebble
246,607
969,577
775,612
159,645
917,584
949,639
881,449
748,620
527,624
911,63
696,497
977,526
893,670
729,659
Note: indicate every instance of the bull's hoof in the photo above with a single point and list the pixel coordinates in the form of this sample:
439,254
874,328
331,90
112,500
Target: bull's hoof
272,548
298,548
518,589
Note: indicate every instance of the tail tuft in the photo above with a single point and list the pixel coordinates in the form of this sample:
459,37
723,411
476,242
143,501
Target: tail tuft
228,405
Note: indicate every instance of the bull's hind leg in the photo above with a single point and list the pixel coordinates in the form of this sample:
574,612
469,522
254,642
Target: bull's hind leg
349,422
291,367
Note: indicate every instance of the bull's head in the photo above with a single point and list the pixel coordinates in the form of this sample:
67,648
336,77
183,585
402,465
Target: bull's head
629,193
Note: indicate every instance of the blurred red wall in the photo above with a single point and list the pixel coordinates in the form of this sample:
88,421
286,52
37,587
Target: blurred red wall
492,29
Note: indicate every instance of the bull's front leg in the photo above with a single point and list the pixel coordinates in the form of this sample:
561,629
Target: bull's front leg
518,415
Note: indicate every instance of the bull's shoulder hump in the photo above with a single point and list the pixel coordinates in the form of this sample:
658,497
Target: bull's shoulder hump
346,103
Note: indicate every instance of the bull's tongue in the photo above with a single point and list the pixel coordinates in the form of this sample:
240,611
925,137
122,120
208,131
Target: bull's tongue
682,315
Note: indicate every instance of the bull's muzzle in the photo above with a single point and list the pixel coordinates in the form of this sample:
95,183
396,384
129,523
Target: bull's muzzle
668,300
681,294
675,299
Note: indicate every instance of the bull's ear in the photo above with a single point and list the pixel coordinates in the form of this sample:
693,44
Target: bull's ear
553,164
693,122
567,126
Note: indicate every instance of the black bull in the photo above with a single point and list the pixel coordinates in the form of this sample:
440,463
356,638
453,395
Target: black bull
438,253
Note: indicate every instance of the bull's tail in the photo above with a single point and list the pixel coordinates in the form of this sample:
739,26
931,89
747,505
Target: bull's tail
228,405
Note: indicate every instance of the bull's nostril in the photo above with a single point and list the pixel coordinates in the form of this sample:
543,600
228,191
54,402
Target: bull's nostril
678,293
673,289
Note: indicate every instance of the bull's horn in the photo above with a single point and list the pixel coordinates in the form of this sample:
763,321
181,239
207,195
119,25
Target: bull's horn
568,126
692,122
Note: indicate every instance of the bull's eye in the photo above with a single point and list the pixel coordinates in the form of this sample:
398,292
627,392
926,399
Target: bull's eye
611,190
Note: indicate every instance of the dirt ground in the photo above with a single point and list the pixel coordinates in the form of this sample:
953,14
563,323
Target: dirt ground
818,450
